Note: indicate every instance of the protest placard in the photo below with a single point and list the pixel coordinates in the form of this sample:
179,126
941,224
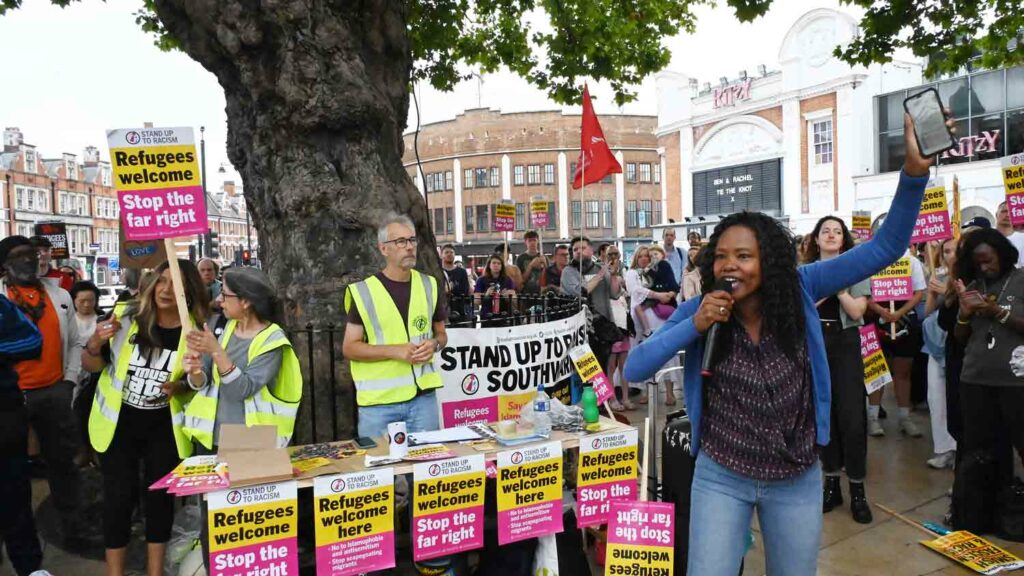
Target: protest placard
355,523
974,552
489,374
641,536
590,371
57,234
253,530
893,282
607,471
144,254
505,216
539,213
448,507
1013,182
933,219
876,370
159,185
529,492
861,225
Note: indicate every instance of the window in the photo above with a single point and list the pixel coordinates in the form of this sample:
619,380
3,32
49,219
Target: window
467,181
105,175
533,174
482,221
606,214
101,275
572,171
657,211
607,179
552,214
631,214
645,173
630,172
438,221
593,216
468,220
482,178
449,219
657,172
495,177
549,173
30,160
822,130
448,180
25,229
520,216
518,177
72,170
645,216
428,184
576,214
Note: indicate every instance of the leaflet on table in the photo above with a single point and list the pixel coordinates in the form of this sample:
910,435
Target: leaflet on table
529,492
641,536
253,530
448,507
607,471
355,524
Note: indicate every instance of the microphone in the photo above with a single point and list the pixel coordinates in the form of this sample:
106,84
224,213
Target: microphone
709,342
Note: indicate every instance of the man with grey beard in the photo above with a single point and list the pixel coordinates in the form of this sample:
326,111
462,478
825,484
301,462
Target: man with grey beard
48,381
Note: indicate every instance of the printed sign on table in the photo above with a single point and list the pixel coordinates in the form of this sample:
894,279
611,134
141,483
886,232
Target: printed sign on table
974,552
893,282
355,522
253,530
529,492
539,213
641,536
590,372
505,216
876,370
448,507
607,471
57,234
861,228
933,219
159,185
489,374
1013,181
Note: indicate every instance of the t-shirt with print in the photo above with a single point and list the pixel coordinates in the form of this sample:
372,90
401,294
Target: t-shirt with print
146,373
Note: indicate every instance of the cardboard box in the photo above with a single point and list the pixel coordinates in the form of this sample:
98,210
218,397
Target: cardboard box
252,455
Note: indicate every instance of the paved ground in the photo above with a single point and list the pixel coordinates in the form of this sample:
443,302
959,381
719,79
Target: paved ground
897,478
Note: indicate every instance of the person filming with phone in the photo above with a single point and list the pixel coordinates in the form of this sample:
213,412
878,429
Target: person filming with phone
760,401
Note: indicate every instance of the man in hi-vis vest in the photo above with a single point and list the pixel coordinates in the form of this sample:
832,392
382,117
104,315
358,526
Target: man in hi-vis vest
395,324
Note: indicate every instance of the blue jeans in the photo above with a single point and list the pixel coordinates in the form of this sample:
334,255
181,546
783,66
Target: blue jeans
723,501
419,415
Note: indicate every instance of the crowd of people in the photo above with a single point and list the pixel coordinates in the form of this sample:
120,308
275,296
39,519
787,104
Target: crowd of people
130,390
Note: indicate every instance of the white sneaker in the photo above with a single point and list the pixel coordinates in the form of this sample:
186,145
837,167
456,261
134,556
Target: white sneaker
908,427
941,461
875,428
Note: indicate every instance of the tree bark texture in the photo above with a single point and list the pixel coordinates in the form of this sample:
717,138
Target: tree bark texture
317,95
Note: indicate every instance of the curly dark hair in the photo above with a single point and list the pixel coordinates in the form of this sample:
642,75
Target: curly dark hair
814,251
966,270
781,305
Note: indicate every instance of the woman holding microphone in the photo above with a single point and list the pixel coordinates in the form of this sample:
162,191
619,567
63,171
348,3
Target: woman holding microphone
764,408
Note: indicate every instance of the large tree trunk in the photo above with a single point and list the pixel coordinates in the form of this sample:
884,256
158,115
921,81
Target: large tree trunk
317,94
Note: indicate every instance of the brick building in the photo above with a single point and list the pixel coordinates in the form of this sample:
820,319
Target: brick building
785,140
471,163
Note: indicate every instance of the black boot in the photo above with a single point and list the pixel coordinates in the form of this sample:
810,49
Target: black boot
832,494
859,504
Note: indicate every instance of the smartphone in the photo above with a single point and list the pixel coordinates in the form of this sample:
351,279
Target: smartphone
365,442
941,274
925,110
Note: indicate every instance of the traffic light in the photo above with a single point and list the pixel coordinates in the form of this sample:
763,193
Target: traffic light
246,257
213,245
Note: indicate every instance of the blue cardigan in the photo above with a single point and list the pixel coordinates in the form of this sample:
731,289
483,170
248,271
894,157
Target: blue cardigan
817,281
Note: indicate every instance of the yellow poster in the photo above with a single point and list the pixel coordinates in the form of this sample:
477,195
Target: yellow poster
529,492
355,522
974,552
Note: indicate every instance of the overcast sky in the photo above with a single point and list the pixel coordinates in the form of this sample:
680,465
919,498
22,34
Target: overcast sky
70,74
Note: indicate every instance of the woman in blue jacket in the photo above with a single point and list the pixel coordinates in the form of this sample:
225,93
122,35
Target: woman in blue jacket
759,419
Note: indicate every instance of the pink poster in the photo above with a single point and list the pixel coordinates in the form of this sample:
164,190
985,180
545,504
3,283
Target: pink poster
641,536
933,219
163,213
893,282
253,530
448,507
355,522
607,471
529,492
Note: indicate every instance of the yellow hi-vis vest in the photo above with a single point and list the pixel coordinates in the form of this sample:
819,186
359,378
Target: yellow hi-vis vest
276,404
393,381
106,405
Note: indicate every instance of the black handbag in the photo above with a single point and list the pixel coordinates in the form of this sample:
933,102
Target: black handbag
1010,520
605,330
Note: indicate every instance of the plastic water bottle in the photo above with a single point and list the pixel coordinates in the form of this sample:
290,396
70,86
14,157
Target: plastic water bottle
541,412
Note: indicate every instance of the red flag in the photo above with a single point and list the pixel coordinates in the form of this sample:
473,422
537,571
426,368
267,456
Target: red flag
595,155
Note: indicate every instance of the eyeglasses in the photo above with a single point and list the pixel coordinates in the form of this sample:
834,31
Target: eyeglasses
224,294
403,242
613,253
